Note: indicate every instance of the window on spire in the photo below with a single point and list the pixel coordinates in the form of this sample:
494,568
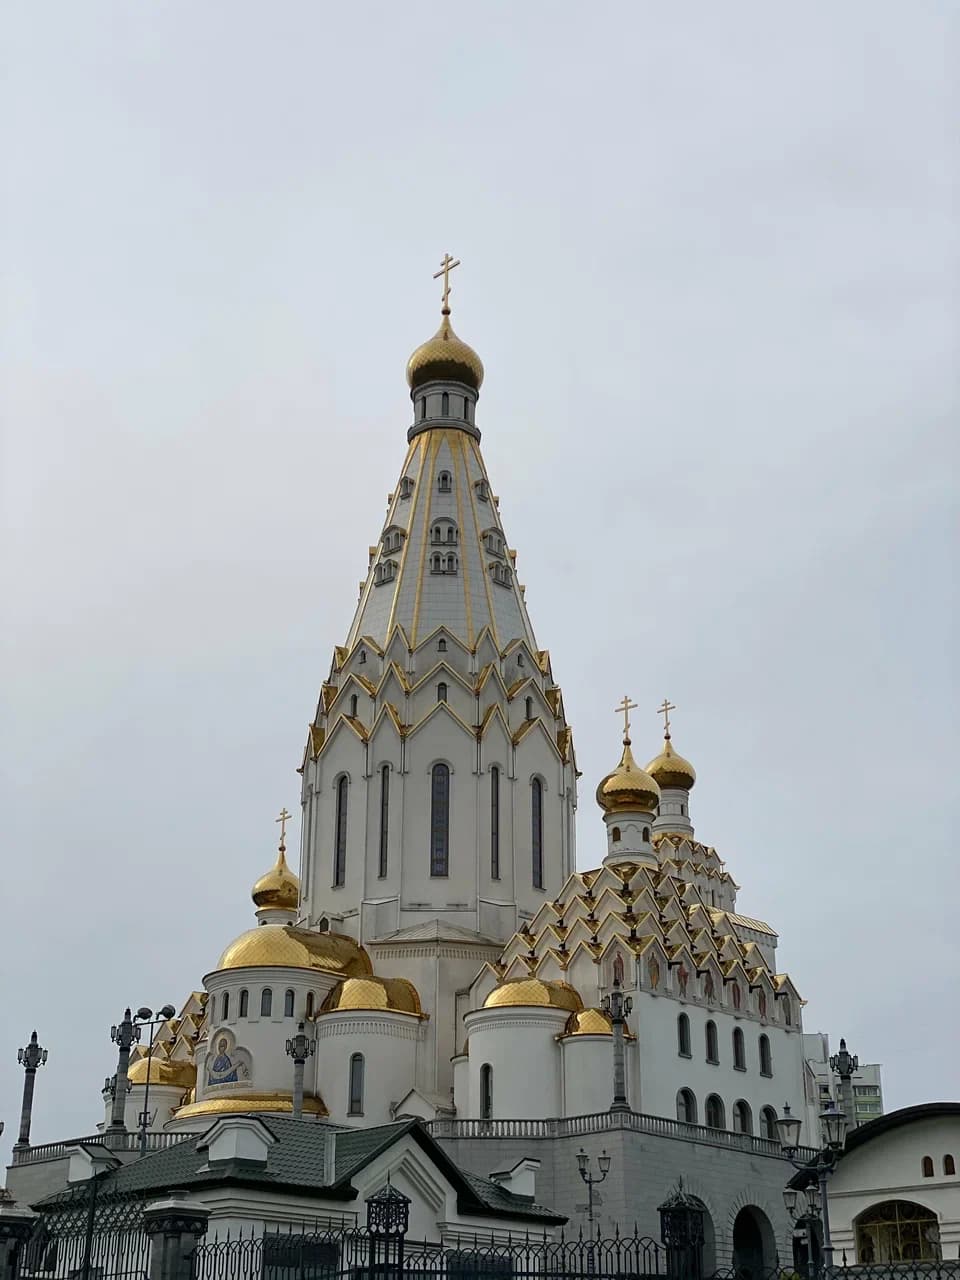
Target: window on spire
440,820
423,408
442,691
340,835
353,705
406,488
483,490
495,823
445,482
441,645
445,405
529,708
536,819
384,818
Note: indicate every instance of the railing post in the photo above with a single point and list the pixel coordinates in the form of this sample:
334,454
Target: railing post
16,1227
174,1227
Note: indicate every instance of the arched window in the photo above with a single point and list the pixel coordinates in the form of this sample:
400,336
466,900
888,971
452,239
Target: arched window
615,834
340,835
356,1085
646,834
436,564
949,1166
768,1124
451,564
536,831
288,1004
519,659
423,407
266,1002
495,823
714,1113
766,1060
225,1007
441,645
683,1036
787,1011
444,482
244,1003
309,1004
353,705
710,1035
739,1051
486,1092
529,708
742,1117
440,820
442,691
897,1231
686,1107
445,405
384,818
363,656
926,1166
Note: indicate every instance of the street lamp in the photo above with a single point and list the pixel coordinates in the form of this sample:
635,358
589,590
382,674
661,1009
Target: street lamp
124,1034
146,1019
299,1047
31,1057
805,1214
844,1065
592,1179
618,1008
833,1129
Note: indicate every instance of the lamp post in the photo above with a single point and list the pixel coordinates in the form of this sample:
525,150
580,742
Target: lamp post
591,1179
299,1047
844,1064
146,1019
124,1035
618,1007
833,1127
31,1057
805,1215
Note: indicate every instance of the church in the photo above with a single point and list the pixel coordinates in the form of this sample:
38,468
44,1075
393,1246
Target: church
442,951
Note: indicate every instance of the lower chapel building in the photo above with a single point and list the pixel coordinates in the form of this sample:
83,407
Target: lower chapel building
450,962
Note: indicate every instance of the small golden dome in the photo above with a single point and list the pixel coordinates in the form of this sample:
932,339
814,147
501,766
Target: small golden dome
291,948
534,991
589,1022
279,888
628,788
395,995
163,1071
253,1103
444,357
669,769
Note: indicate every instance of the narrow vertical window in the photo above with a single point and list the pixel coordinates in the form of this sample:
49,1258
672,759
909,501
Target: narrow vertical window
926,1166
683,1036
486,1092
225,1007
340,835
266,1002
356,1085
536,831
309,1004
288,1004
766,1061
445,405
440,820
442,691
739,1051
423,407
353,705
710,1034
529,708
244,1003
495,823
384,817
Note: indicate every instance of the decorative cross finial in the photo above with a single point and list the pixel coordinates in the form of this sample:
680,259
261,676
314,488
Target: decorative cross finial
283,820
446,266
664,709
626,706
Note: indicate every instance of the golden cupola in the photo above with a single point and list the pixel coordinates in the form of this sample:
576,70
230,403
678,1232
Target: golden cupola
444,358
628,789
279,888
670,770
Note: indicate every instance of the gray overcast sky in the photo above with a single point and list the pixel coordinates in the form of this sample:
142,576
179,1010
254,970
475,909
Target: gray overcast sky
709,257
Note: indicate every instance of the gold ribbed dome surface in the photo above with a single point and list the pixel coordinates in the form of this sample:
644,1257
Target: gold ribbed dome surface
628,787
444,357
255,1103
669,769
285,946
534,991
163,1071
394,995
279,888
589,1022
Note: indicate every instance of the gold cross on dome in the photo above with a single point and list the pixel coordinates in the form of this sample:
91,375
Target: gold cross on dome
283,820
664,709
626,706
446,266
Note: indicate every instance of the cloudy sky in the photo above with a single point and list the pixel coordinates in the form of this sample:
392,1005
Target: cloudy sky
709,260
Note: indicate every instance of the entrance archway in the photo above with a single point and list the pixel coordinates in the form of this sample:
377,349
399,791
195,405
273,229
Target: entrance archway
754,1243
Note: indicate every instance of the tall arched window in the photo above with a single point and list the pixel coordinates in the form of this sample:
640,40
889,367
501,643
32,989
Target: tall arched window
768,1124
742,1117
442,691
355,1107
353,705
244,1003
486,1092
340,835
445,405
309,1004
423,407
266,1002
787,1011
440,820
384,818
710,1035
529,708
766,1060
288,1004
495,823
225,1007
713,1113
683,1036
441,645
739,1051
926,1166
536,831
949,1166
686,1107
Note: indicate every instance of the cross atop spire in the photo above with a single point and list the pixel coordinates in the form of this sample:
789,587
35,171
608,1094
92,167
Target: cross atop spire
626,706
446,266
283,819
664,709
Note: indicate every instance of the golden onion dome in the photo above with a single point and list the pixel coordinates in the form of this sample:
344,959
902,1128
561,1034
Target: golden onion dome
163,1071
250,1103
534,991
628,787
287,947
669,769
589,1022
279,888
395,995
446,358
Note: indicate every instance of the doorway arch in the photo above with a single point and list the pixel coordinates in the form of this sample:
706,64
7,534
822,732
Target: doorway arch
754,1243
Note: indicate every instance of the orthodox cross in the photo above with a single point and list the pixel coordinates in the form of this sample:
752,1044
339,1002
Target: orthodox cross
626,706
283,820
664,710
446,266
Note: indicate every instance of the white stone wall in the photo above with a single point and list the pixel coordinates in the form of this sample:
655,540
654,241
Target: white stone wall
389,1043
520,1046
